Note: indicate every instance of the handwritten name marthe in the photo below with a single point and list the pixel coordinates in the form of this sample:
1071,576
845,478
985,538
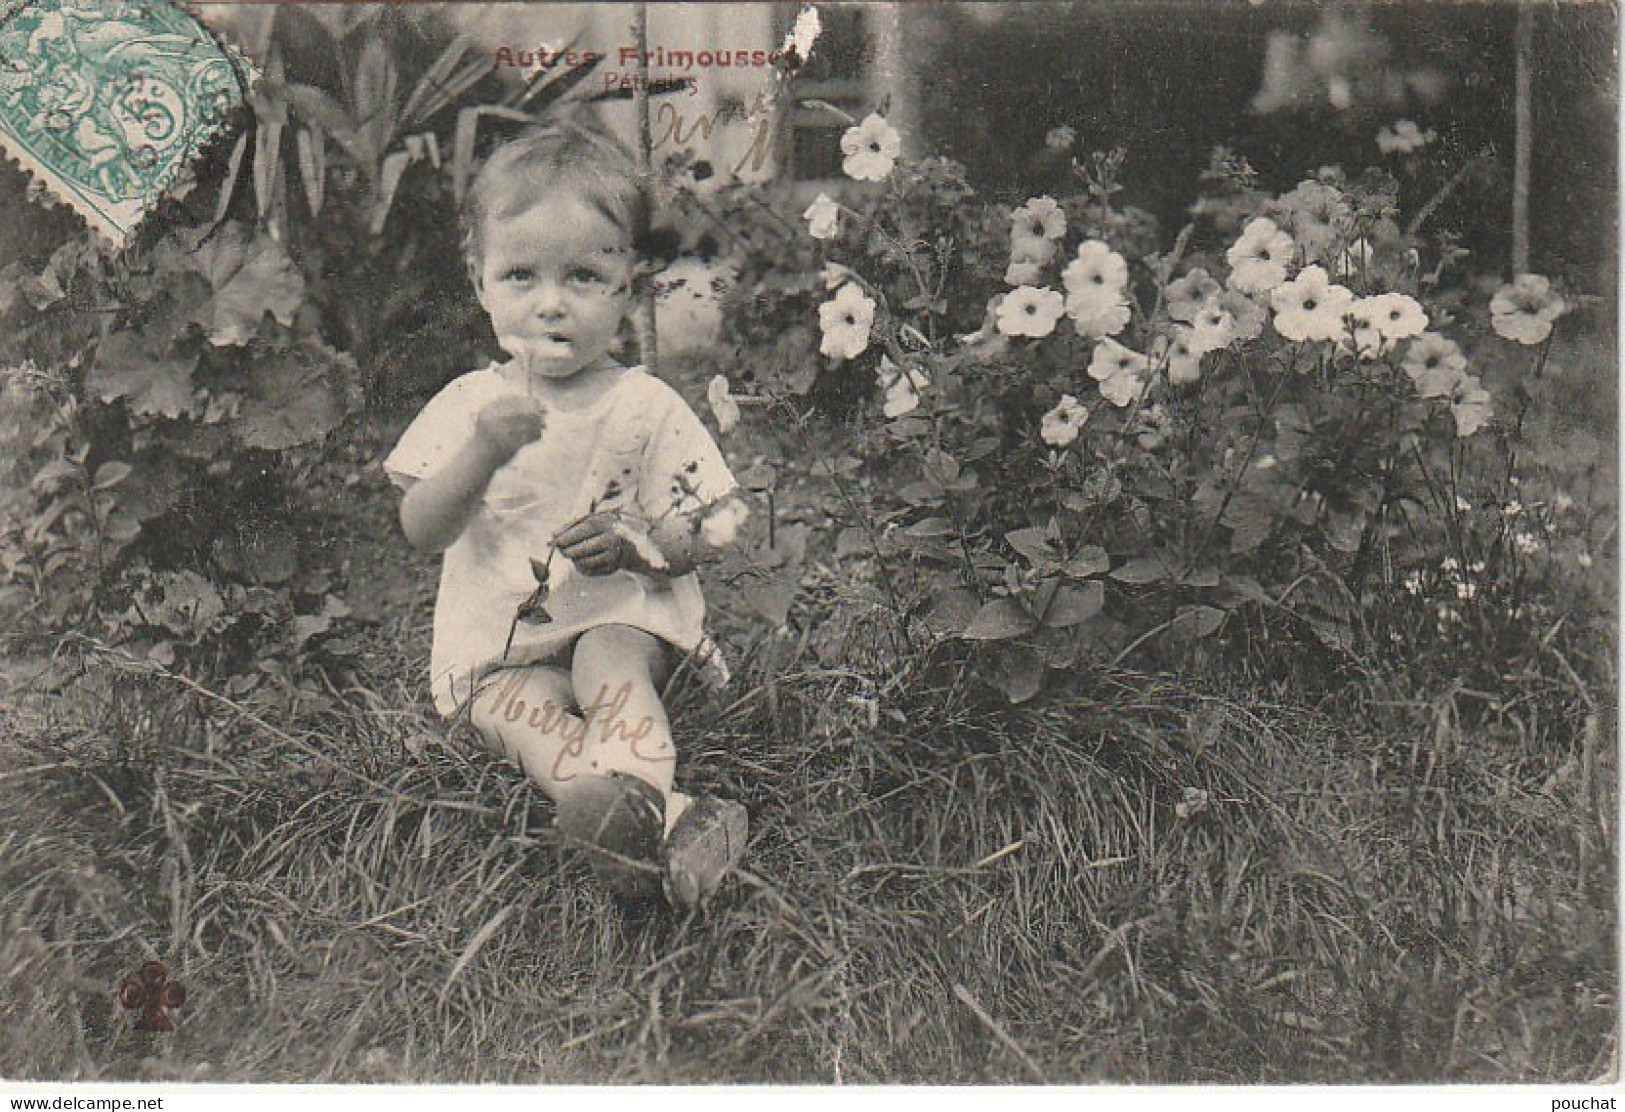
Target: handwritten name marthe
602,715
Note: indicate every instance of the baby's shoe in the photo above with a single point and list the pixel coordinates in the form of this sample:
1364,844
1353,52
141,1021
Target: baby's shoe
617,822
706,841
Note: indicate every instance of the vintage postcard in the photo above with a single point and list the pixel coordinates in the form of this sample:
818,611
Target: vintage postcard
808,543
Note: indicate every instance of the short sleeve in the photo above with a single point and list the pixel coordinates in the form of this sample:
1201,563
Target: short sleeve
683,467
438,432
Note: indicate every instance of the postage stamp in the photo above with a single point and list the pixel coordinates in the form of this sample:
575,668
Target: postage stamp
106,102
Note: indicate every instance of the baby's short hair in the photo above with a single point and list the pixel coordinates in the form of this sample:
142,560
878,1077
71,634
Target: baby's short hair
545,160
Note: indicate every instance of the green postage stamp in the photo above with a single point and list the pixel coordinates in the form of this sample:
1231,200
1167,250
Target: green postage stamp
106,101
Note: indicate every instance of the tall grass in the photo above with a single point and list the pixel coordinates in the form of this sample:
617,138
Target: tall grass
1140,879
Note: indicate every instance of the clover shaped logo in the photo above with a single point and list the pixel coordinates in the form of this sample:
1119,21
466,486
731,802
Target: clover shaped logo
152,993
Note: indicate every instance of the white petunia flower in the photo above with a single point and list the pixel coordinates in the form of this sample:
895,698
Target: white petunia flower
823,217
1397,316
1029,311
1183,362
1121,372
1470,405
1405,137
1525,310
845,321
1310,308
1060,426
1434,364
1028,257
902,387
870,149
1212,329
1096,271
1368,339
1096,317
723,405
1259,259
1039,218
721,524
1190,294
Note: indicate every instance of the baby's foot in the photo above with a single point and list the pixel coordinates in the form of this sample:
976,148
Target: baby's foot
617,822
707,840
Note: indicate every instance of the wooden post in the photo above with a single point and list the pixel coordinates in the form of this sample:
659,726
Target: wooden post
1523,139
644,316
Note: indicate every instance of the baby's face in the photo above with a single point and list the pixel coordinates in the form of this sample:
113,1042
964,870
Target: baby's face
556,280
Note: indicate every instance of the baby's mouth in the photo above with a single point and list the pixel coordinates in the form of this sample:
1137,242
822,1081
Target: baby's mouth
541,343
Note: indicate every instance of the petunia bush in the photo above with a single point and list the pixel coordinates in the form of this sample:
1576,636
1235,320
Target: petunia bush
1093,440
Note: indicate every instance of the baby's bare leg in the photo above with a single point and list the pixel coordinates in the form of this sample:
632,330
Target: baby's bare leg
617,671
617,820
523,714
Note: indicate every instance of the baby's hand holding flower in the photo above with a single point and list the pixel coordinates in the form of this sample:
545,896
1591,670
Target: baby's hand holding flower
605,543
508,424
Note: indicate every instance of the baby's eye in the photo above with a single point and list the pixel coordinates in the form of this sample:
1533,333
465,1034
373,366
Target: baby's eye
582,275
518,274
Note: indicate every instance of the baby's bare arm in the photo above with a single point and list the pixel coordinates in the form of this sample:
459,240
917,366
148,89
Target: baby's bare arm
437,509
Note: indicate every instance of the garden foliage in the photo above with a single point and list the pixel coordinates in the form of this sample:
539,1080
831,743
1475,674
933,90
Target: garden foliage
165,397
1093,437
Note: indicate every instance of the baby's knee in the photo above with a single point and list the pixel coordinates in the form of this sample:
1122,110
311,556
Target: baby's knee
625,653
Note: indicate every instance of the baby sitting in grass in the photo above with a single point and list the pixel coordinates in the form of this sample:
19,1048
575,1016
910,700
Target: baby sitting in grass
572,498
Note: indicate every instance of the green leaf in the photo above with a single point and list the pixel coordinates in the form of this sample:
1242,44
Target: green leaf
292,395
121,526
770,598
1000,620
1037,545
950,612
1140,571
190,604
1344,530
1251,518
144,373
1074,604
249,278
154,487
1201,577
1058,647
1196,622
111,474
788,550
930,527
1018,671
1089,560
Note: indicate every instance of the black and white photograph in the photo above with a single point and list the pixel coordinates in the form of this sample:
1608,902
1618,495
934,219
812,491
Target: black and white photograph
809,544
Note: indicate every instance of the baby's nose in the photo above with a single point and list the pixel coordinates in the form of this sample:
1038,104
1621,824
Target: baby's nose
548,298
